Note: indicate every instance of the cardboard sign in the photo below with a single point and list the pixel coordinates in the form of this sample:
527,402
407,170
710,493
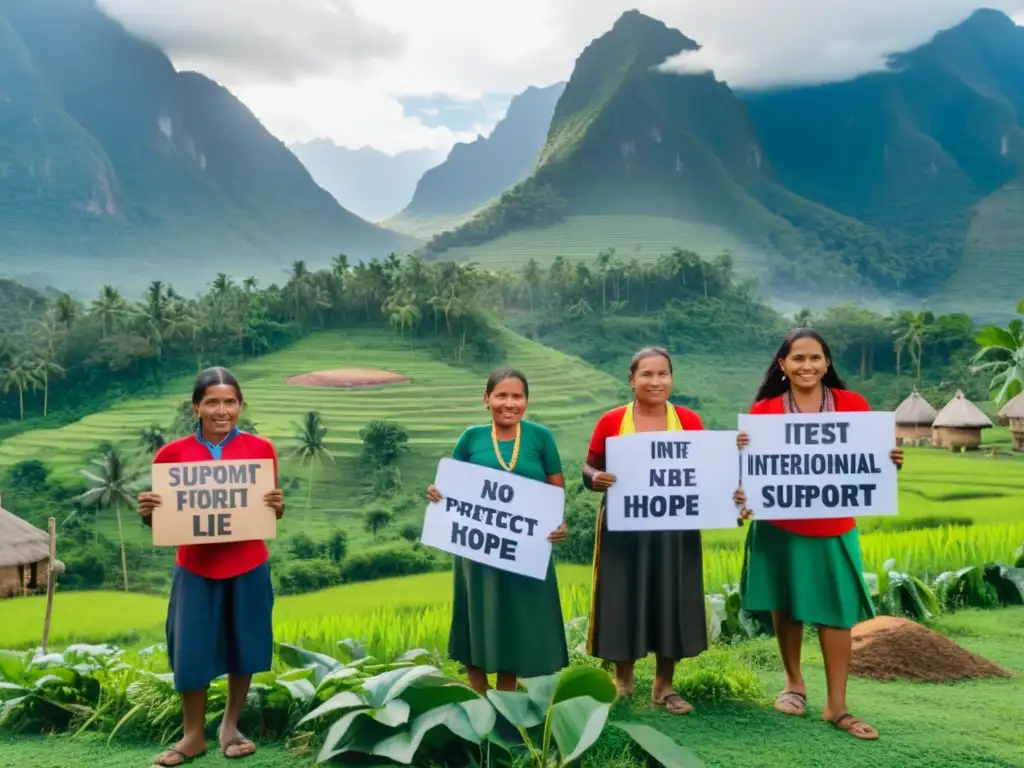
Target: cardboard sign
803,466
206,502
494,517
672,481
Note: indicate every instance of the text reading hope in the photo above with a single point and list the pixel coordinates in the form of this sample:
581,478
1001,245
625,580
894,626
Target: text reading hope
474,538
831,494
194,496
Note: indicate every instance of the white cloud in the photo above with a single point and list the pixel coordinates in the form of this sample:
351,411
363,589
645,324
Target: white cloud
335,68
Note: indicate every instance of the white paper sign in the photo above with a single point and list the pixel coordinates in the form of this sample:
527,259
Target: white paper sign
672,481
494,517
819,465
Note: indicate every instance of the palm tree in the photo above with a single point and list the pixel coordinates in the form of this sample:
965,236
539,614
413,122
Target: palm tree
19,374
111,485
1002,355
152,439
311,448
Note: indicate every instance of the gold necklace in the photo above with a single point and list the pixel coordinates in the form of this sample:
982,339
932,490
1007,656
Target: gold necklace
515,446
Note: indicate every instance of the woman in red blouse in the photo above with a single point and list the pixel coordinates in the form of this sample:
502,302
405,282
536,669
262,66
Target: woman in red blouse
808,570
219,617
648,593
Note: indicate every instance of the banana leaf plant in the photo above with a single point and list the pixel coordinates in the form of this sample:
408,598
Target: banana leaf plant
904,595
570,711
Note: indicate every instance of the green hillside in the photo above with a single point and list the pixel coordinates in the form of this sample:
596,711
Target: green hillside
111,154
986,280
581,238
434,407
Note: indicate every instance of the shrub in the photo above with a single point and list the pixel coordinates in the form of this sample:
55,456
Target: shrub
399,559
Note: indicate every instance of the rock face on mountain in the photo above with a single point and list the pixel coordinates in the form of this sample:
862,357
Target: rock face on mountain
476,172
366,181
108,153
871,182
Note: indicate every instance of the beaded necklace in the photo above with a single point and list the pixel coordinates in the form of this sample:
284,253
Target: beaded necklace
515,447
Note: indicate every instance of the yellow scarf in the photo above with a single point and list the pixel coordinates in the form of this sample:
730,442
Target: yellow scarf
671,418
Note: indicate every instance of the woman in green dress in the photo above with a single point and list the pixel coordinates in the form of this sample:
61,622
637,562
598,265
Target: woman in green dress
504,622
808,571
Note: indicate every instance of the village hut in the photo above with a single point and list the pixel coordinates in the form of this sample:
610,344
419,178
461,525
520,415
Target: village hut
1012,415
24,557
958,425
914,419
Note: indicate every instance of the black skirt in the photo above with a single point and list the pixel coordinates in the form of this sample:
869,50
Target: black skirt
217,627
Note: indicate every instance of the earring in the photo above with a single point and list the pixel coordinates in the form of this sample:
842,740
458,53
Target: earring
783,377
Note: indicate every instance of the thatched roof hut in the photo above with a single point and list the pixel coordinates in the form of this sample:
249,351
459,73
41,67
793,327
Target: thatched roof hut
959,424
1012,415
914,419
24,557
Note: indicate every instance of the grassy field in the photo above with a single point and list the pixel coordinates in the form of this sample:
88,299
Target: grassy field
440,401
581,238
967,725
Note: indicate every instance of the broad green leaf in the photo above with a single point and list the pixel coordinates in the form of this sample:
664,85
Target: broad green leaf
576,724
430,692
660,747
416,656
994,336
584,681
516,707
300,690
343,700
541,690
343,735
320,663
472,720
382,688
401,747
352,650
392,714
1020,307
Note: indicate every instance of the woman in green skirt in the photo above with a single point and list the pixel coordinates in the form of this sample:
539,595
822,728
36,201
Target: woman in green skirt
808,571
503,622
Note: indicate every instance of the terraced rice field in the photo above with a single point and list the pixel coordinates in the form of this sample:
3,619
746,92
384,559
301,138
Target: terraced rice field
434,407
581,238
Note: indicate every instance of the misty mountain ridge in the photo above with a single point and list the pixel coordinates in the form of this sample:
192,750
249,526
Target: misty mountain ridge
478,171
872,182
112,157
366,181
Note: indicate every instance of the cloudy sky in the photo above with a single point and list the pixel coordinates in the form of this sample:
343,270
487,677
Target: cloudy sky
402,74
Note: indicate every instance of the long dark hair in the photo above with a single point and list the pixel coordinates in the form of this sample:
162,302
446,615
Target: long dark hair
498,375
646,352
774,384
211,377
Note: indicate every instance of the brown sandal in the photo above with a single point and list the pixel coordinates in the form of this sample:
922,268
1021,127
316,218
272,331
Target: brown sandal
674,703
238,741
791,703
161,759
851,725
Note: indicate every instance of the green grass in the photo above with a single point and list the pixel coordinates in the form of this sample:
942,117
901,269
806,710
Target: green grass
425,227
988,282
581,238
440,401
967,725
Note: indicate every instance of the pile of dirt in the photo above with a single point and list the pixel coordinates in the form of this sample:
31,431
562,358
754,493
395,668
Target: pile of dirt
888,648
347,377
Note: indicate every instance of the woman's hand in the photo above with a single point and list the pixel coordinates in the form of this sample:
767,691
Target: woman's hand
148,501
742,440
897,457
275,500
558,534
433,495
739,498
602,481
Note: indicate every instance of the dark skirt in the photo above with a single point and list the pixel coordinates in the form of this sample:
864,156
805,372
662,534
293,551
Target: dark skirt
648,594
505,622
217,627
814,579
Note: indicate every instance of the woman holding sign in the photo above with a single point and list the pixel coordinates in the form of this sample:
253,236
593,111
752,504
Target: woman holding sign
219,617
808,571
504,622
648,593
